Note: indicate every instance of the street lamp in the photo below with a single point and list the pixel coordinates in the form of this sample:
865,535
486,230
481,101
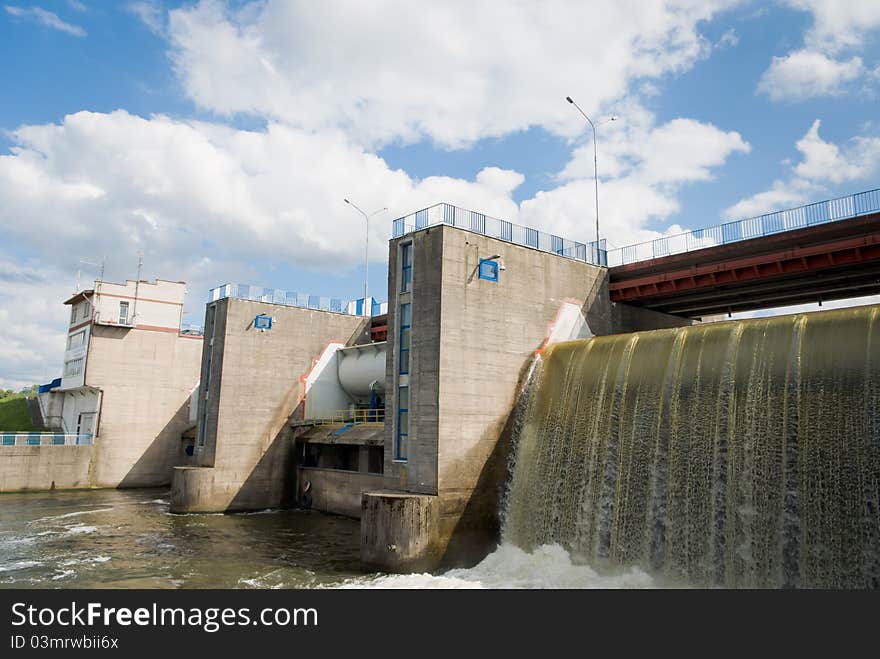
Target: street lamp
366,249
595,167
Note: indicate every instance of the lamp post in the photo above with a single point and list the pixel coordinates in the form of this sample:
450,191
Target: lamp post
595,166
366,249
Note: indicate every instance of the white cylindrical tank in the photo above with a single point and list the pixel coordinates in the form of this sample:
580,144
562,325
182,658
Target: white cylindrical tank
362,366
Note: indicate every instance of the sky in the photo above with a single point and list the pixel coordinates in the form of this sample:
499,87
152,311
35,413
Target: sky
219,138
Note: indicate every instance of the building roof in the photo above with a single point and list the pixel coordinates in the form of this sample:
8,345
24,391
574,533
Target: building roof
78,297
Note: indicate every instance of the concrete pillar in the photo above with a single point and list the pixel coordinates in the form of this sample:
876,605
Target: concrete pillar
192,490
364,459
400,532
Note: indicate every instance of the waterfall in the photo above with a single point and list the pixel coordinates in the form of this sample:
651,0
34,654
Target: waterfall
742,454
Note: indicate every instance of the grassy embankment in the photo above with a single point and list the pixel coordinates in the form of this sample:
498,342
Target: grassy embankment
14,414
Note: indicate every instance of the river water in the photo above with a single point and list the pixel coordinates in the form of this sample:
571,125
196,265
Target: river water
128,539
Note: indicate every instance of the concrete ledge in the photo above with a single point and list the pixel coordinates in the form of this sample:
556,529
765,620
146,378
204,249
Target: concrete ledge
25,468
400,532
339,492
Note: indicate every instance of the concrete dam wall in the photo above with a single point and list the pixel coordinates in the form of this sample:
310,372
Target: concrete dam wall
739,454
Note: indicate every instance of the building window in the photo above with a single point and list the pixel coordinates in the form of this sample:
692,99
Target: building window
405,338
123,313
406,267
78,311
400,448
210,331
73,367
76,340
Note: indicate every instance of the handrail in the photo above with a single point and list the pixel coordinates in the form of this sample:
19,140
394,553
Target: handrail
336,417
499,229
821,212
292,299
46,439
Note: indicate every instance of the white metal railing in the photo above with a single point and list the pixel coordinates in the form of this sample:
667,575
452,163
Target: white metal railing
499,229
45,439
822,212
293,299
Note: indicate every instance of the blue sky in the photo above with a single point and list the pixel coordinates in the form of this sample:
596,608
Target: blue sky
219,138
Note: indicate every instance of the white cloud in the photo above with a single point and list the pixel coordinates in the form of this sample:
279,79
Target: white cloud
642,167
104,183
825,161
46,19
454,72
208,203
806,308
805,74
625,206
839,25
32,322
820,68
729,39
780,195
822,165
76,5
150,13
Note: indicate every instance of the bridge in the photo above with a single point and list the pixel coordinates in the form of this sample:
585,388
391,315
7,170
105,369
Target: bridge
819,252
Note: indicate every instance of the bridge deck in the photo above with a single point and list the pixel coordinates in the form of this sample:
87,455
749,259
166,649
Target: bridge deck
822,262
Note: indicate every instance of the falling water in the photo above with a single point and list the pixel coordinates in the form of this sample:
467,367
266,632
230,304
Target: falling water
741,454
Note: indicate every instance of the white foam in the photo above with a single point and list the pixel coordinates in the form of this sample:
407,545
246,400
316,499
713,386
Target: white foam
81,561
62,574
81,528
549,566
261,582
66,515
20,565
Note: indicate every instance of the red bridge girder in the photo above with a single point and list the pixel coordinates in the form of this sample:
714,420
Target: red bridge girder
759,272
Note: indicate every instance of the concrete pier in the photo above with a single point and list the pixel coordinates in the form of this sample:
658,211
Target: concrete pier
400,532
473,340
253,384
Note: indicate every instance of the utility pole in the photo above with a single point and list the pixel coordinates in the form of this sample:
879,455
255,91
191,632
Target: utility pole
137,285
366,251
595,168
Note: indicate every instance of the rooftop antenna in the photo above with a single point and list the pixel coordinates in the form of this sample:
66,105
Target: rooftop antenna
97,281
137,285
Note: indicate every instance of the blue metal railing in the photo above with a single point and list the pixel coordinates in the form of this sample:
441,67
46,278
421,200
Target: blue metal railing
500,229
290,299
822,212
45,439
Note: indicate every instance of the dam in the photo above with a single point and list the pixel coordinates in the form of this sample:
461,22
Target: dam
517,401
741,454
